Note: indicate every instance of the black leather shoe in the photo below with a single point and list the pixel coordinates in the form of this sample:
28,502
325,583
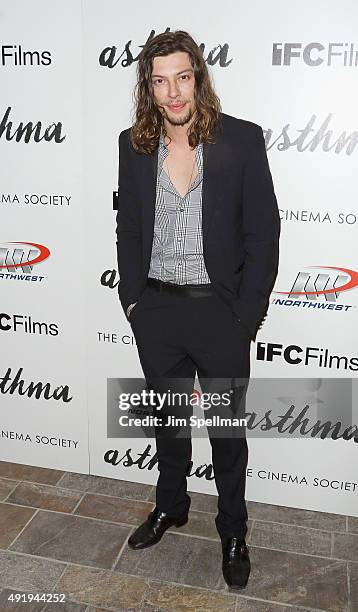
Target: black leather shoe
152,530
236,562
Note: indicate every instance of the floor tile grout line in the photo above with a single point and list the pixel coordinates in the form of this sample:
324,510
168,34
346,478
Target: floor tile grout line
103,607
124,545
223,591
54,586
72,490
106,521
18,480
51,486
83,493
201,511
63,476
251,529
143,501
257,520
23,529
174,583
152,487
64,472
177,533
291,552
150,492
9,478
349,587
95,606
282,603
228,594
262,520
101,520
48,559
131,526
177,584
12,490
118,480
75,508
60,577
83,516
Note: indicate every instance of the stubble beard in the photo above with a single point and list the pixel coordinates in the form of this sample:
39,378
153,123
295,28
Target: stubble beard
179,120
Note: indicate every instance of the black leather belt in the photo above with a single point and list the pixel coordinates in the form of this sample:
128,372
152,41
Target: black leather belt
188,290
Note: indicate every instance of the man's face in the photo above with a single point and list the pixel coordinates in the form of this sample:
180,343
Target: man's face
173,85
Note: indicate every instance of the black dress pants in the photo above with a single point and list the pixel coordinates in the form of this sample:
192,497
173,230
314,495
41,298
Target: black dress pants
176,337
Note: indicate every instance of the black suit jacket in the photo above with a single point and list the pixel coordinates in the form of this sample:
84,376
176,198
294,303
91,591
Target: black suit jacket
240,219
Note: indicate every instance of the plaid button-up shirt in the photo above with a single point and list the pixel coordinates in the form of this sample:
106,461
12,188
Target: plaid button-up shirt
177,250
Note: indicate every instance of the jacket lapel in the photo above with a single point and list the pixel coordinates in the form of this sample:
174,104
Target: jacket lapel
148,188
212,160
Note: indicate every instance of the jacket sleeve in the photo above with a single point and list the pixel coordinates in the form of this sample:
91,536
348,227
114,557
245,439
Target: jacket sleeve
261,231
128,228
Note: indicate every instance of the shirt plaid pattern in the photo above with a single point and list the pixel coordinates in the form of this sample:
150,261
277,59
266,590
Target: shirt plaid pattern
177,250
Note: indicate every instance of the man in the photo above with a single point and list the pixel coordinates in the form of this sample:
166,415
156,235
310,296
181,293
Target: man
197,241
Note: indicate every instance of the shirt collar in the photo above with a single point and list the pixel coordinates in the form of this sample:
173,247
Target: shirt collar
162,144
163,152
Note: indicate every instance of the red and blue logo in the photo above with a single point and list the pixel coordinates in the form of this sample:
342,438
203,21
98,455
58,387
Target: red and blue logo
18,262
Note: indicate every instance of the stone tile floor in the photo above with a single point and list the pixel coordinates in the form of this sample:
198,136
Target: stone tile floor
66,533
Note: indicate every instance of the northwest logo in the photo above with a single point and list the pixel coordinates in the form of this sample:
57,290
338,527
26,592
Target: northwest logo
319,289
17,262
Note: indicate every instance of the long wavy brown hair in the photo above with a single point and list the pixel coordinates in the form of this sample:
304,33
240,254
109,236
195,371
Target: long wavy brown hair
148,121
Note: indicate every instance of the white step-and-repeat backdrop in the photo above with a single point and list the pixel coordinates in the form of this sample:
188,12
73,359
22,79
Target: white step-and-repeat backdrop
67,71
